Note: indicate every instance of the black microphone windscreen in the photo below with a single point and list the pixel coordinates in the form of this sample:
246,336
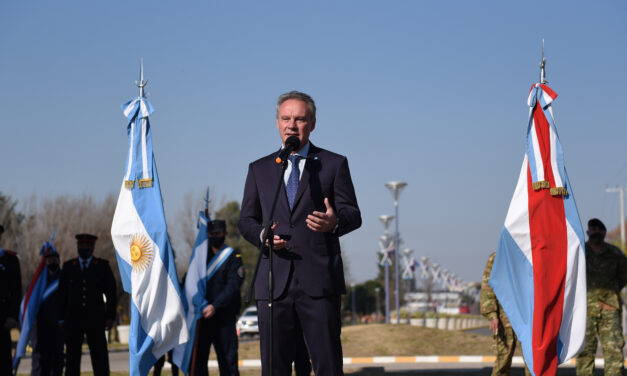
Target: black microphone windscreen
292,142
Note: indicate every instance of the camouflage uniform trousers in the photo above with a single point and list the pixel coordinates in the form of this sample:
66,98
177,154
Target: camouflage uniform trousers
505,347
608,324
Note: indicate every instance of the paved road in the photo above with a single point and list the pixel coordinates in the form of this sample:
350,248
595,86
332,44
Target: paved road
119,362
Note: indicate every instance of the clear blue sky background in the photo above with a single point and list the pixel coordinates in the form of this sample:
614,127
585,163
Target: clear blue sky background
429,92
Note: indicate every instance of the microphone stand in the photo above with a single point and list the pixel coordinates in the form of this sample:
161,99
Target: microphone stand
268,235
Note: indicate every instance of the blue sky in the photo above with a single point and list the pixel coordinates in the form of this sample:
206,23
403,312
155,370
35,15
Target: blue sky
428,92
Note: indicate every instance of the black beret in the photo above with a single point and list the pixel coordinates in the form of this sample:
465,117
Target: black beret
216,225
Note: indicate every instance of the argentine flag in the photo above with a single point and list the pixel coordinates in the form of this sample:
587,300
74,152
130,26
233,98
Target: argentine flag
144,252
539,272
195,292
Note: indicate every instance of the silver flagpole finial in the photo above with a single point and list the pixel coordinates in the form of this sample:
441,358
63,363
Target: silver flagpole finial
141,83
542,66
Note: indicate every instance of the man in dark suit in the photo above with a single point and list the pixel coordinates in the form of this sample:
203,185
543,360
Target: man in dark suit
316,206
10,296
83,310
225,274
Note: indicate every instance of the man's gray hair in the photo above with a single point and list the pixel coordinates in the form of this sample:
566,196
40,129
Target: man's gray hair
300,96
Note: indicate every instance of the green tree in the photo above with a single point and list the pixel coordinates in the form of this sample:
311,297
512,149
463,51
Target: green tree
365,297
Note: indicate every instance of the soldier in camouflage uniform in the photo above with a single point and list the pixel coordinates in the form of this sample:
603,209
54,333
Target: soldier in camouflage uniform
606,270
503,333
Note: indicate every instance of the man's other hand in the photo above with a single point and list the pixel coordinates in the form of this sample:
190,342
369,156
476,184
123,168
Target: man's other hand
322,222
209,311
494,326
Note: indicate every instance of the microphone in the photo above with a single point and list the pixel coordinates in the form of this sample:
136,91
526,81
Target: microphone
292,143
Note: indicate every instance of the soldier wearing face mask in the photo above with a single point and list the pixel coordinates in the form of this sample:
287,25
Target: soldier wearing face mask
606,274
10,295
87,300
47,358
225,274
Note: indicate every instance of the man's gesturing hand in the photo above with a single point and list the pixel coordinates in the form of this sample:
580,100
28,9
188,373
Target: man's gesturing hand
322,222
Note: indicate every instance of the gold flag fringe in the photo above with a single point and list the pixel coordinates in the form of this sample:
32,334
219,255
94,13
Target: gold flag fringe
129,183
540,184
144,183
559,191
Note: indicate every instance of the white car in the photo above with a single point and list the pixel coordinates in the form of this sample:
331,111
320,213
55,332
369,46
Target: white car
247,324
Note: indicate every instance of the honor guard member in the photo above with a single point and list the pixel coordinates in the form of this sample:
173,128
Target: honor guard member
87,300
504,335
47,358
225,274
10,295
606,275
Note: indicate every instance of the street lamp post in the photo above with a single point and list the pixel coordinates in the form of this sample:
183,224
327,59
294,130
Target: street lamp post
376,290
353,302
409,278
385,219
425,276
395,188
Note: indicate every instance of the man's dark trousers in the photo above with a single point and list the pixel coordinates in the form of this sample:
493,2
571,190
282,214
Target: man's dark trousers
220,332
97,349
296,308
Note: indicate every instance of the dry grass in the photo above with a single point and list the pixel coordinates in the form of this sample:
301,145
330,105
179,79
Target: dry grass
381,339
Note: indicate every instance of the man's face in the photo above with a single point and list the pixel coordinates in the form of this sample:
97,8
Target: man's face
294,119
85,249
596,234
52,263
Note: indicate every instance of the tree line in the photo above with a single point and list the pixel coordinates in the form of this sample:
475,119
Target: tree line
30,223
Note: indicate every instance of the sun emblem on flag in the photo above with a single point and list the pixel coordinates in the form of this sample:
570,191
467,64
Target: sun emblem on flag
141,252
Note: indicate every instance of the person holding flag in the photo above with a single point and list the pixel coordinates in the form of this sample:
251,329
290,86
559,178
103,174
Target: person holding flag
606,272
87,302
47,338
225,274
504,336
10,293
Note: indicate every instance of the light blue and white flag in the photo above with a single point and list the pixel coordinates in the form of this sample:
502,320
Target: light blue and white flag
195,292
144,252
198,273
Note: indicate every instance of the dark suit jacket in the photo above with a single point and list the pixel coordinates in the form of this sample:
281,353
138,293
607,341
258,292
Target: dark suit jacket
315,255
80,293
10,287
223,289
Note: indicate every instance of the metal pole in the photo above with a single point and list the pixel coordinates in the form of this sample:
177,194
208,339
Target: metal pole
395,188
396,285
622,218
385,219
621,192
408,306
387,293
376,290
353,302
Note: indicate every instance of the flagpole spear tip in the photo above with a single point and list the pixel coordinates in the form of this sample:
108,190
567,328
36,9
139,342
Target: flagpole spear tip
206,199
141,83
543,66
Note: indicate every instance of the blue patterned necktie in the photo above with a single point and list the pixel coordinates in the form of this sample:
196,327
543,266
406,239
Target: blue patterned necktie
292,182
